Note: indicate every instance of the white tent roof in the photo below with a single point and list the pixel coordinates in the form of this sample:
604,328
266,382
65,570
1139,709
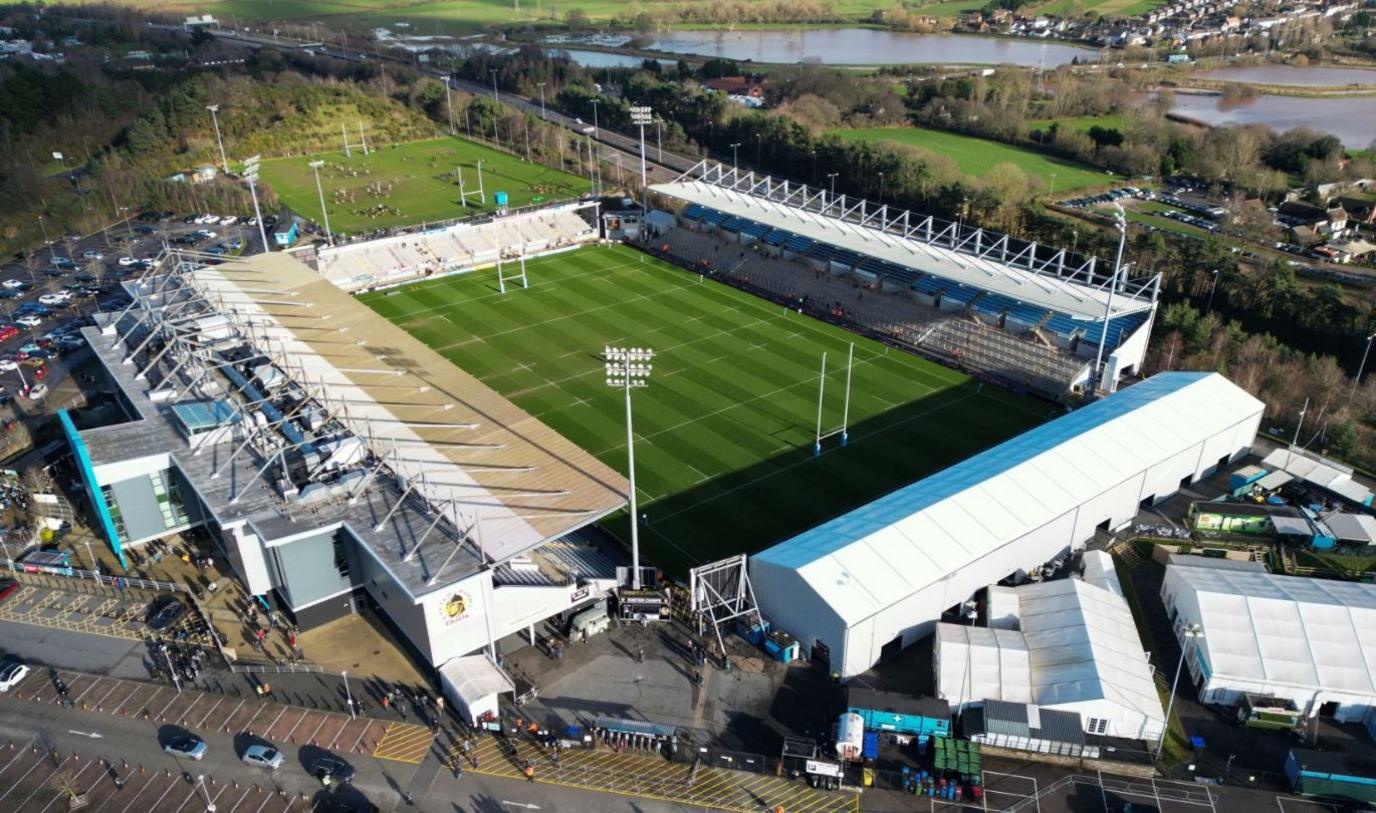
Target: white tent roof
1287,630
474,678
909,539
1077,644
982,663
1320,471
1046,290
1352,527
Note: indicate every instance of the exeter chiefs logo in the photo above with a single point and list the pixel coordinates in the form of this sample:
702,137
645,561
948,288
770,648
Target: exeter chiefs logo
455,607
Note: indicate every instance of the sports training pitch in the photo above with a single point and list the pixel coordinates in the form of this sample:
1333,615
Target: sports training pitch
415,182
724,457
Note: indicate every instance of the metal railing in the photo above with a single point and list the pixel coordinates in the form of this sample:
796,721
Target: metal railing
106,579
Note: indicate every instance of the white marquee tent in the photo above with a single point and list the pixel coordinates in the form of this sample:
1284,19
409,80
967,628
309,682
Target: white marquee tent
1077,650
1312,641
866,584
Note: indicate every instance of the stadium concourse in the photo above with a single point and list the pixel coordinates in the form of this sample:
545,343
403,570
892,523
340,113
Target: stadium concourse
1032,316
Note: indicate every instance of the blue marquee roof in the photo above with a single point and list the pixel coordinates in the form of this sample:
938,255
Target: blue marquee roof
837,533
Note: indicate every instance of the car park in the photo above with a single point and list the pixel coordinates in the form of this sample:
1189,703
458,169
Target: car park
263,756
186,747
12,671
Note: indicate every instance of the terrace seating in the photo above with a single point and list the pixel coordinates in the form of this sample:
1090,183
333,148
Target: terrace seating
1001,354
397,259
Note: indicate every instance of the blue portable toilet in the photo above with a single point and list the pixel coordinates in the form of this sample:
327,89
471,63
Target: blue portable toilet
500,199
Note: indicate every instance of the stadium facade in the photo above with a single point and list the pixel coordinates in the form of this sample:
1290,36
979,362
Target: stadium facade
861,587
335,460
1033,316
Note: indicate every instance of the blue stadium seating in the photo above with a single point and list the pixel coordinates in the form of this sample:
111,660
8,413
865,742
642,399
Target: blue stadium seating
798,244
753,229
693,212
776,237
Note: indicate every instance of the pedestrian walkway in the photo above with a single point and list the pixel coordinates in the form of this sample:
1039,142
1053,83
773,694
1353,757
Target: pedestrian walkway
230,712
651,776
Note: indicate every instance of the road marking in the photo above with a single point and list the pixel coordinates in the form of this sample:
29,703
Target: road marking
216,705
170,701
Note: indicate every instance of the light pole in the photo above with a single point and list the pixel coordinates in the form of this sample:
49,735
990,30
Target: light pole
1214,287
594,118
832,176
46,241
1121,223
541,86
1361,368
495,96
209,803
324,213
629,368
1191,631
176,681
251,175
642,116
880,197
735,155
348,697
659,139
214,119
449,103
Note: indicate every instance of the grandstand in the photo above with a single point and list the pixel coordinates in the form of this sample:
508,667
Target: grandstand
460,247
1030,315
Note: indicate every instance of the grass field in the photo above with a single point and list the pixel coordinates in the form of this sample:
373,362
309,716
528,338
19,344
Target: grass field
423,186
975,156
724,460
1112,121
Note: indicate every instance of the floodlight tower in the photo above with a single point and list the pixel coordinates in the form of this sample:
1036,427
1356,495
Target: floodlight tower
642,116
1120,222
324,213
251,174
629,368
214,119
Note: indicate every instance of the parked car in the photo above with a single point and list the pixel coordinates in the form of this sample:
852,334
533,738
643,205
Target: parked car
127,260
8,587
14,283
186,747
164,613
263,756
333,770
29,320
92,254
11,672
63,262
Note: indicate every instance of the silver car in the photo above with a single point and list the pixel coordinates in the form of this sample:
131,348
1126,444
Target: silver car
263,756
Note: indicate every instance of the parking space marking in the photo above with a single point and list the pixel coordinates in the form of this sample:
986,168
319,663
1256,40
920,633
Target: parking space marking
161,714
75,779
404,742
140,792
218,702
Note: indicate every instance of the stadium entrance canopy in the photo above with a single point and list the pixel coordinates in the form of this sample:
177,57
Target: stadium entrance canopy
1038,275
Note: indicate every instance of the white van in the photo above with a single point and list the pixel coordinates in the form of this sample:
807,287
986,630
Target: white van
589,622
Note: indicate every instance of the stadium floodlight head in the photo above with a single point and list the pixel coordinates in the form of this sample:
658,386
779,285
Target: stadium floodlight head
629,368
642,115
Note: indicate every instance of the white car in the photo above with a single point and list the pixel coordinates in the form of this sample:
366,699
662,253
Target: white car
11,673
39,391
203,219
29,321
13,283
126,261
228,220
8,365
55,299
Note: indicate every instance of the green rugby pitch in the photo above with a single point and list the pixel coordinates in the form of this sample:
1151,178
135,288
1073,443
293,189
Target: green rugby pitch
411,183
724,431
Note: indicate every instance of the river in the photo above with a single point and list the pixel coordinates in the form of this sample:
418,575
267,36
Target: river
865,46
1293,75
1349,118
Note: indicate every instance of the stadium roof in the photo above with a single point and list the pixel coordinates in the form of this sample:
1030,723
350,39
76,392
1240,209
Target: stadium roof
1285,630
882,552
468,443
1040,289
